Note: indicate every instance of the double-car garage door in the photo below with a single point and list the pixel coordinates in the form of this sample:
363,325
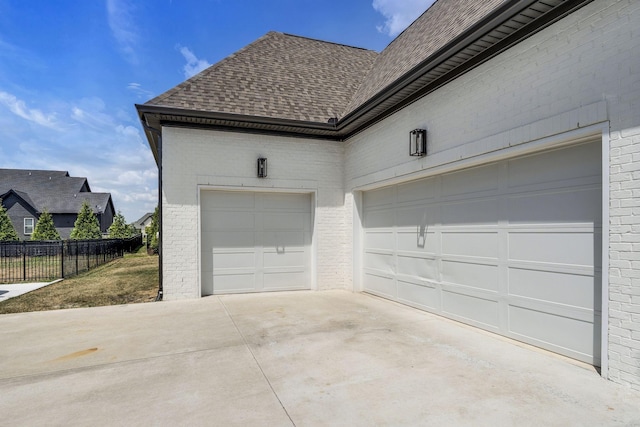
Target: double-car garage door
512,247
255,242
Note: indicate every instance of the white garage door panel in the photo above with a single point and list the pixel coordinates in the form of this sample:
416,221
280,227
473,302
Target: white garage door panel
556,167
381,285
424,296
473,244
234,282
470,181
285,280
473,310
557,207
376,239
253,242
480,276
564,288
234,260
512,247
424,268
574,248
380,262
476,212
570,336
417,241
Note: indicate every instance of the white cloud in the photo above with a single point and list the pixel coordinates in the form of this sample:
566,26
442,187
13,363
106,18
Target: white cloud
123,27
19,108
139,91
193,65
96,143
399,14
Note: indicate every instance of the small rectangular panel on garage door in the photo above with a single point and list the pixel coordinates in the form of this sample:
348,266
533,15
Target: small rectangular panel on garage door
512,247
255,242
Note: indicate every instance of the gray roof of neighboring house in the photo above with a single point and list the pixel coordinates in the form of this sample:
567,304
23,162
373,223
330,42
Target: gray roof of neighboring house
278,75
142,219
55,191
292,85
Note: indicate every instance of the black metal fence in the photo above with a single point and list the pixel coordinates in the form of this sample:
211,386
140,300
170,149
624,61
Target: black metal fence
29,261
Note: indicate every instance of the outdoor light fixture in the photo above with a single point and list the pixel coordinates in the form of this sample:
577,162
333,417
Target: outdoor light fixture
262,167
418,142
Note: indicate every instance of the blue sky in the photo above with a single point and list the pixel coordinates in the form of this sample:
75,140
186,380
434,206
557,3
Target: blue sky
71,72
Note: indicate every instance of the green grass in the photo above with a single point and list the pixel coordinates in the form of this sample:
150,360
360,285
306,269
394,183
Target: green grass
128,280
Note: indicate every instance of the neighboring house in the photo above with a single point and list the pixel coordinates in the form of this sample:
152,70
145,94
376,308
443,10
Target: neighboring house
521,219
27,193
144,221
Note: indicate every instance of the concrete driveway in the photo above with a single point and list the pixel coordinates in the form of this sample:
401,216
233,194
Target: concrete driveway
282,359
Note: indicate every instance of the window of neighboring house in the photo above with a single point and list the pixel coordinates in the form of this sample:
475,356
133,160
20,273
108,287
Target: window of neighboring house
28,226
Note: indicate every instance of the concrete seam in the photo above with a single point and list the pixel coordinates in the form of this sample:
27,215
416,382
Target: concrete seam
255,359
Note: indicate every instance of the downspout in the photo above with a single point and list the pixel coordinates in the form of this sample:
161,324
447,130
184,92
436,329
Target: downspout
159,134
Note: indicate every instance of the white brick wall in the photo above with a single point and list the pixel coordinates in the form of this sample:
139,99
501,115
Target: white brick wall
624,254
581,71
199,157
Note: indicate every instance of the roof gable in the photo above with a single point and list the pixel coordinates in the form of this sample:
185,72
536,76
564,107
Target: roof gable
278,75
20,197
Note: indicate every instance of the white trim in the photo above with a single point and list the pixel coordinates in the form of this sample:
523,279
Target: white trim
556,141
314,250
604,316
358,244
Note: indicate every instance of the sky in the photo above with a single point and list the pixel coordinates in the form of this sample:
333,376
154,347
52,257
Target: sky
71,72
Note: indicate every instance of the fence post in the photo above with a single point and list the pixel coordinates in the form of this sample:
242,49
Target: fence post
76,257
62,259
24,260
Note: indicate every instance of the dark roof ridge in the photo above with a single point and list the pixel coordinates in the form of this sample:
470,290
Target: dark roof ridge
66,173
399,35
324,41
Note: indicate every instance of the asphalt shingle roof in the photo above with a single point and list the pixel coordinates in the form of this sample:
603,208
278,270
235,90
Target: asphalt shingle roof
54,191
277,76
290,77
440,24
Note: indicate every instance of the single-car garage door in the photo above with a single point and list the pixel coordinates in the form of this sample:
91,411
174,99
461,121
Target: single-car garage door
255,242
512,247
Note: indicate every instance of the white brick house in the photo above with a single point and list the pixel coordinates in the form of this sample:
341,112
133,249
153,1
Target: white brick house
522,219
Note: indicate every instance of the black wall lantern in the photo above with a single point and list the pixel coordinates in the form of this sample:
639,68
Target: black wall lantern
418,142
262,167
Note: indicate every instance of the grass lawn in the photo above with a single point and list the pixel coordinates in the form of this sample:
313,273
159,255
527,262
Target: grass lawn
128,280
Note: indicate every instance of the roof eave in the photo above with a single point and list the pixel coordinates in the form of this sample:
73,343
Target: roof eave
154,117
357,120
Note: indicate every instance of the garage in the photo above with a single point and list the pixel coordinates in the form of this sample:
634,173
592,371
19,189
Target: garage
512,247
255,241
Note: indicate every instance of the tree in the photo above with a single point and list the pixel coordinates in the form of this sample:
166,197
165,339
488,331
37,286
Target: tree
119,228
152,231
133,230
7,232
86,226
45,230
